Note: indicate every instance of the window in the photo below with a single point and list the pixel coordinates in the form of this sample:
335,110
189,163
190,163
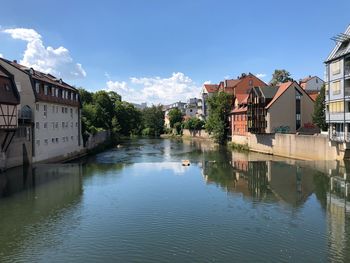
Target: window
46,141
63,139
71,124
76,124
335,67
46,88
71,112
298,117
63,124
56,92
65,110
37,125
52,91
37,107
45,125
53,109
56,125
37,87
56,140
250,82
53,125
45,111
53,140
335,87
72,138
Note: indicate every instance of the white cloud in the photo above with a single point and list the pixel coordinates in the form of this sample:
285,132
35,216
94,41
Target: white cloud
156,89
56,61
261,75
1,55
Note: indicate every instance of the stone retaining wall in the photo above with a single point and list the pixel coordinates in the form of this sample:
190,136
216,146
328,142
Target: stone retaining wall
308,147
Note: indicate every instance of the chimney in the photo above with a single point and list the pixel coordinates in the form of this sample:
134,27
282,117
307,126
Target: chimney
15,61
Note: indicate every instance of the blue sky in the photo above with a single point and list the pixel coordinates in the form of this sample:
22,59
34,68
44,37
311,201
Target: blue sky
162,51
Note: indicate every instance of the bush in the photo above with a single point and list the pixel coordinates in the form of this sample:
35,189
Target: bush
194,124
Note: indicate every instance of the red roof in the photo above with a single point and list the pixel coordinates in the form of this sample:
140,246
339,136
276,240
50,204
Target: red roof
242,98
314,96
239,110
281,89
211,88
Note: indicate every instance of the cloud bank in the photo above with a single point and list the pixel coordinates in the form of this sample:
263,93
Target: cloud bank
154,90
56,61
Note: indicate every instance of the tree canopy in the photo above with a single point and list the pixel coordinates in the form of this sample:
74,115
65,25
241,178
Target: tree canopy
319,115
175,115
217,123
280,76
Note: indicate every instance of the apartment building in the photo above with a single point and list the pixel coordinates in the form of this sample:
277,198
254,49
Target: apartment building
282,109
55,112
238,116
194,108
166,108
311,84
337,78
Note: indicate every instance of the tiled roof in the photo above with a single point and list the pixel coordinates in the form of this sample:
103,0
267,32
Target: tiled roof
281,89
211,88
40,75
239,110
230,83
242,98
306,79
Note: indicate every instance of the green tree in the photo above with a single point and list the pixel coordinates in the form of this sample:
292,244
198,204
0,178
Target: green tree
217,124
319,115
104,109
280,76
194,124
153,120
175,115
129,118
85,96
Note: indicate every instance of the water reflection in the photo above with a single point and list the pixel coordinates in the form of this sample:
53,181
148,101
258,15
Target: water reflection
138,202
37,204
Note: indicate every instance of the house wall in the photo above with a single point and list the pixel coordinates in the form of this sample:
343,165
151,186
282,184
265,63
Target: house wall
198,134
239,123
57,133
282,112
314,84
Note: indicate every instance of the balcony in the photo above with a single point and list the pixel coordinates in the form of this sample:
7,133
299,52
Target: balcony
338,136
25,114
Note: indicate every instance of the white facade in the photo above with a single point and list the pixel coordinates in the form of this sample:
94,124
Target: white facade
312,84
56,125
56,131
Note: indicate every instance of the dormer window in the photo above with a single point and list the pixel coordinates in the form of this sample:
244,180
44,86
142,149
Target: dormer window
46,89
31,71
37,87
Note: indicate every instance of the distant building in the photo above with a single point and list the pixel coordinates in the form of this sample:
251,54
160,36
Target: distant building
194,108
241,85
282,109
311,84
53,109
140,106
166,108
337,97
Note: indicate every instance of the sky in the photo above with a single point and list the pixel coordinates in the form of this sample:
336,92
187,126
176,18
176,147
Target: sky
162,51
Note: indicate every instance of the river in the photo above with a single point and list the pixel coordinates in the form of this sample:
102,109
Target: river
137,203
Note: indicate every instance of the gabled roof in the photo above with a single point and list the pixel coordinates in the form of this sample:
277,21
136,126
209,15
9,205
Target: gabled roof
8,96
342,46
211,88
39,75
242,98
281,89
268,92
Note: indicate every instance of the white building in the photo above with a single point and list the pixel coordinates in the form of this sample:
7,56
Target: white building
311,83
194,108
56,114
166,108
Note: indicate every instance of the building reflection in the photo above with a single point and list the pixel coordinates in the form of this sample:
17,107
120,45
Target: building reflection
260,180
36,198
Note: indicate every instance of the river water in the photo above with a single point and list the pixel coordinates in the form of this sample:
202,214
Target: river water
137,203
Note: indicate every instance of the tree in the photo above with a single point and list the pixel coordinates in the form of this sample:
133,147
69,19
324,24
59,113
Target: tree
85,96
194,124
217,124
175,115
104,109
319,115
153,120
280,76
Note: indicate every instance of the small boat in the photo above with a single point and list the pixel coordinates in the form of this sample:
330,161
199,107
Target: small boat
186,163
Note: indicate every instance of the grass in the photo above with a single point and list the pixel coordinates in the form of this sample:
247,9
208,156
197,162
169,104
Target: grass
238,147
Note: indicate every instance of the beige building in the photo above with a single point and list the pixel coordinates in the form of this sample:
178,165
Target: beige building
53,107
283,109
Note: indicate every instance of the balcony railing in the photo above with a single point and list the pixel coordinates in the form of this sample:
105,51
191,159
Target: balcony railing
338,136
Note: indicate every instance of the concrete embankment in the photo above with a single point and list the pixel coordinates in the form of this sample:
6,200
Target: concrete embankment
306,147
